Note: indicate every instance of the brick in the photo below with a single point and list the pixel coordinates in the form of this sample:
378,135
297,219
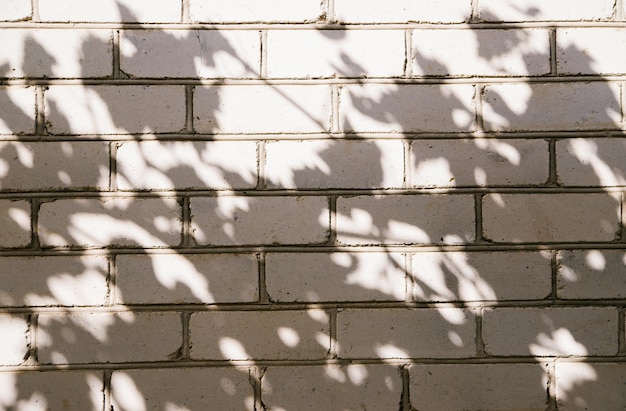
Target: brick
481,276
266,109
77,109
53,280
370,276
245,11
591,161
145,11
584,274
551,106
55,165
550,331
181,388
406,108
590,386
260,220
108,337
541,10
17,110
334,164
15,10
478,387
402,11
53,390
181,279
333,53
352,387
169,165
57,53
591,50
247,335
111,221
424,219
15,223
405,333
14,343
481,52
197,53
478,162
550,217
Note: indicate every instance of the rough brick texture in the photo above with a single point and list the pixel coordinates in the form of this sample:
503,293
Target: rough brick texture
432,385
241,335
312,205
553,331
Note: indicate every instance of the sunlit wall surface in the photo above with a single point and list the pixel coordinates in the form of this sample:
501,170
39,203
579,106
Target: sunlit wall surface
312,205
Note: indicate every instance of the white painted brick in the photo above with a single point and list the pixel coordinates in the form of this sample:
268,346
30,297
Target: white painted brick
114,109
478,162
17,110
550,331
14,342
56,53
551,106
550,217
191,278
53,280
260,220
53,390
545,10
168,165
591,50
334,164
590,386
370,276
405,333
401,11
14,10
148,11
114,221
15,223
591,274
182,389
478,387
262,109
481,52
246,335
479,276
268,11
108,337
591,161
334,53
352,387
186,53
55,165
424,219
406,108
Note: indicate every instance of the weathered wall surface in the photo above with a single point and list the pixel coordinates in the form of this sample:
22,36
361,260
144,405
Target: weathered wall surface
289,205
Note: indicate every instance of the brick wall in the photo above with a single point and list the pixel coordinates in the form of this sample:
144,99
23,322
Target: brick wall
280,205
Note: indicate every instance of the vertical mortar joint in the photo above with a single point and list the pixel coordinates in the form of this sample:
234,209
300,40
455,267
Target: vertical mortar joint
264,297
481,352
552,48
405,397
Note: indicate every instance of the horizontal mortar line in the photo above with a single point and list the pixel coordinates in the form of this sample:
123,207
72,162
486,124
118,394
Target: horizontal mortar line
310,249
538,189
469,79
228,26
302,306
358,136
243,364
